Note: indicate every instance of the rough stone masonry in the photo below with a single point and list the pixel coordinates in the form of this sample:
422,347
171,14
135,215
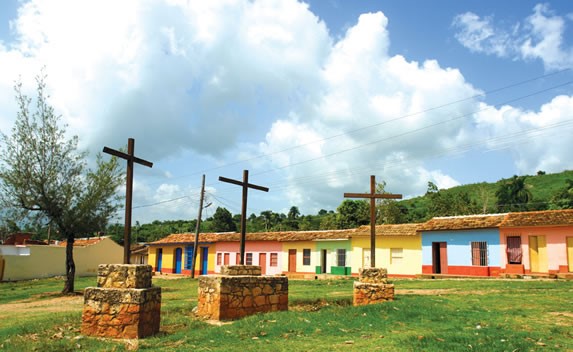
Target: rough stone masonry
124,305
240,291
372,287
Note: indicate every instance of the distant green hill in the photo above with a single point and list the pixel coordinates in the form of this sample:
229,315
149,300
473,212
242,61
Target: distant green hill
542,187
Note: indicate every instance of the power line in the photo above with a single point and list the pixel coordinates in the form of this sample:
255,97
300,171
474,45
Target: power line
493,91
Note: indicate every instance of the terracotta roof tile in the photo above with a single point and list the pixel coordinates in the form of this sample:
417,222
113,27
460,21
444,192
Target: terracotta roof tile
82,242
290,236
390,230
539,218
284,236
463,222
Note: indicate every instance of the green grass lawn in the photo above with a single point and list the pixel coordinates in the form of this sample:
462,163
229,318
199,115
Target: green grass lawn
427,315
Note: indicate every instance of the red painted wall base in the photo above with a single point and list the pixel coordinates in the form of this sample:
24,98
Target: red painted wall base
466,270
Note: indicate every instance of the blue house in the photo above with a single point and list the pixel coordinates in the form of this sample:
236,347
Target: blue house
462,245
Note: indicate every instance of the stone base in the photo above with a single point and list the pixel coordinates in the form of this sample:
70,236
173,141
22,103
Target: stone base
372,287
121,313
370,293
226,297
124,305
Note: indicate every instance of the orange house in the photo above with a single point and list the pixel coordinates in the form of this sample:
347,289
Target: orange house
537,242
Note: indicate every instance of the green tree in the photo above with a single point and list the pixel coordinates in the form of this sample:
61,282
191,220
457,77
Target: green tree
563,198
448,203
388,211
293,215
513,195
43,175
223,221
353,213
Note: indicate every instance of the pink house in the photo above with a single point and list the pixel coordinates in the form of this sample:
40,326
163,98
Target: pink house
538,242
265,253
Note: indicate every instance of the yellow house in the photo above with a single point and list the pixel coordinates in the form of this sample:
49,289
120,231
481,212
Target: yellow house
174,254
315,252
24,262
398,249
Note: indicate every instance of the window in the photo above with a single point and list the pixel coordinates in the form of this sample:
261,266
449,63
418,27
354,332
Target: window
249,259
341,257
479,253
396,255
306,256
274,259
219,255
514,249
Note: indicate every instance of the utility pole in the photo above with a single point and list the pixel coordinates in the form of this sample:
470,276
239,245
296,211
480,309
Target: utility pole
198,227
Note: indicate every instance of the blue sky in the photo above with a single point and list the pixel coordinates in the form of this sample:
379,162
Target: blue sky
311,98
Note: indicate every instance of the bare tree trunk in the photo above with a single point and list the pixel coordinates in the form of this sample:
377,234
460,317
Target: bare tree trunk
70,266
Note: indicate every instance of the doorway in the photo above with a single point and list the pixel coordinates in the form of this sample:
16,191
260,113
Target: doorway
159,260
292,260
178,255
263,263
323,255
570,253
366,258
440,257
538,254
204,257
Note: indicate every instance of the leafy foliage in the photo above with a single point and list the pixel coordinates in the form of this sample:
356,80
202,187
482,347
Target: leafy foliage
223,221
513,195
44,178
563,198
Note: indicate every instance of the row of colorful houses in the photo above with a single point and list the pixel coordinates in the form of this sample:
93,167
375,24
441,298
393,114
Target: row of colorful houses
478,245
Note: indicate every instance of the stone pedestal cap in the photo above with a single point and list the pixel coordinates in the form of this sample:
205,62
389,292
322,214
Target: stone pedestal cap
124,276
373,275
235,270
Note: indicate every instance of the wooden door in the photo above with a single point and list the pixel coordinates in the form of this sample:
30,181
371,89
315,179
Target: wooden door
570,253
533,254
178,255
538,254
204,260
238,259
159,259
440,257
366,258
292,260
263,263
226,259
323,258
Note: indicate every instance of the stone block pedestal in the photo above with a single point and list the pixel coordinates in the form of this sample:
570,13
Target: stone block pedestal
240,291
372,287
124,305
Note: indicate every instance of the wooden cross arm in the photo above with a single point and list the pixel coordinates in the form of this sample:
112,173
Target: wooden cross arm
127,157
239,183
369,195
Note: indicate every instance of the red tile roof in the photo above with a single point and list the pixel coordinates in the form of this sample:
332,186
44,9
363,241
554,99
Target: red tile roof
539,218
463,222
82,242
390,230
283,236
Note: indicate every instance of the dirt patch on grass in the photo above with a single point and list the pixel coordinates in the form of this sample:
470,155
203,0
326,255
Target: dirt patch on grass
424,292
55,304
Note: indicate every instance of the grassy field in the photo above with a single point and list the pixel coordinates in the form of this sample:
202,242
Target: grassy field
427,315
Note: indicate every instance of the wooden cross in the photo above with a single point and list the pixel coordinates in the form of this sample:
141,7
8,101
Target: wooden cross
373,196
129,191
246,185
